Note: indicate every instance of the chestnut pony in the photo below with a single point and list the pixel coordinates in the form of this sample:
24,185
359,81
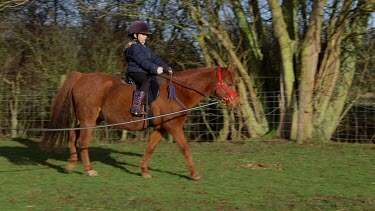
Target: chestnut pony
92,98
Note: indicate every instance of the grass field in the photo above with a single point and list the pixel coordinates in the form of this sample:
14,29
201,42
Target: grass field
249,175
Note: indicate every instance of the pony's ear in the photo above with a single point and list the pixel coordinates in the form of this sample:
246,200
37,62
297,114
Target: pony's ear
229,68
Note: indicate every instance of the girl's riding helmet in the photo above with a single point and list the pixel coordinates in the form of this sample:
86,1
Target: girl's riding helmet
138,27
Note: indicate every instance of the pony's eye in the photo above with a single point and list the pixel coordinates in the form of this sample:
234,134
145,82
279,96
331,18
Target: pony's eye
229,84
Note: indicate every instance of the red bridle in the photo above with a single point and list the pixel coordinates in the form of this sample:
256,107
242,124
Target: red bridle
231,95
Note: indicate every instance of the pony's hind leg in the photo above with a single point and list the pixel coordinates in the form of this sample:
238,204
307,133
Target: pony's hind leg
73,158
84,148
87,117
154,139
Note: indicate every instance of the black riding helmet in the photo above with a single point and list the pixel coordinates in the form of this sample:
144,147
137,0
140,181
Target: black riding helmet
138,27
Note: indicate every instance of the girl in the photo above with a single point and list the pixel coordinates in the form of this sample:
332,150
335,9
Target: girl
142,63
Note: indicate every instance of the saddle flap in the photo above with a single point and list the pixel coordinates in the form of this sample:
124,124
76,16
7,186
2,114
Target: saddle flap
154,90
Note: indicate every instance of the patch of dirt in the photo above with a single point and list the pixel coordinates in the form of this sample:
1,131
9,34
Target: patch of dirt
253,165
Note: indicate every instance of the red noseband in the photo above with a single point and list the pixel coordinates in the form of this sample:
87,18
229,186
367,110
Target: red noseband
231,95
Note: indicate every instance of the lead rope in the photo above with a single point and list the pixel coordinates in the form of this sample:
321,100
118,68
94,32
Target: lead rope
111,125
172,92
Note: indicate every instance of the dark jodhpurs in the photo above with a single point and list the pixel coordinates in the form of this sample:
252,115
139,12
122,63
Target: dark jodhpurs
141,80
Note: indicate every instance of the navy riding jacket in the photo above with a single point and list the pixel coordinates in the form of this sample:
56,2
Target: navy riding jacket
140,58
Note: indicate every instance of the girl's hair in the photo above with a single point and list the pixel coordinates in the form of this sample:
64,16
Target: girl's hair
128,44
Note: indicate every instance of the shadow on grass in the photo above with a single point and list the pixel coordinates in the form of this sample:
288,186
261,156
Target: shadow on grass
31,154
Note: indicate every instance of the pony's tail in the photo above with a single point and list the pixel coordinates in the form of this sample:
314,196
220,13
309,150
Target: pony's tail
62,114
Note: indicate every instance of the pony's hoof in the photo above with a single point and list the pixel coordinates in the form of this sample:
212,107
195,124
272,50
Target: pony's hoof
196,177
69,168
146,176
92,173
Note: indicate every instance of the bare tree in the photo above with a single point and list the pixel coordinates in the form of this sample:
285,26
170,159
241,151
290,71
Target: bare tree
318,76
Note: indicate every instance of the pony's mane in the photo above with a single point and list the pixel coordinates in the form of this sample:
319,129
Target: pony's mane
198,69
196,73
199,79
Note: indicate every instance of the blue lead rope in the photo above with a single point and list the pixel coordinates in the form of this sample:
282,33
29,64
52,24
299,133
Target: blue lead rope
172,92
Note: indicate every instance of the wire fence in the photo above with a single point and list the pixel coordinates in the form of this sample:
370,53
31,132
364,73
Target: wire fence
31,110
358,125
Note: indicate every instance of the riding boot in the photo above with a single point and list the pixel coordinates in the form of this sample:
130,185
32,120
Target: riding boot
136,108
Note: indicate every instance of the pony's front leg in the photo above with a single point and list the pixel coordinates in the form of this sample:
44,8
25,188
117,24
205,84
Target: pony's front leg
84,147
154,139
178,135
73,158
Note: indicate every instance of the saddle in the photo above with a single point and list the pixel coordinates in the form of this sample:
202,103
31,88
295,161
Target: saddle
153,92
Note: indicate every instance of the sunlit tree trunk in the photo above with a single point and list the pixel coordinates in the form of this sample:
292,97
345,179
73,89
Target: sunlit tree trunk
14,104
322,81
287,50
339,66
224,132
309,63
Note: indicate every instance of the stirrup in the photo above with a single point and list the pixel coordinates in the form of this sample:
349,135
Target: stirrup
139,113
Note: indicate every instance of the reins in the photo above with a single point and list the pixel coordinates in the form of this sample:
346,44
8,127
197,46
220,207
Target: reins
183,85
220,85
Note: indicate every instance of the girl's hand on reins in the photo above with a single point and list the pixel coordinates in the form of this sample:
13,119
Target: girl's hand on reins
168,70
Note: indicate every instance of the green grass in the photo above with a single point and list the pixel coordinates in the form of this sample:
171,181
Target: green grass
244,176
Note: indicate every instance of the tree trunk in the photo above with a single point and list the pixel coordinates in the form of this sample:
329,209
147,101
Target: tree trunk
287,51
255,130
309,64
224,132
14,104
333,104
